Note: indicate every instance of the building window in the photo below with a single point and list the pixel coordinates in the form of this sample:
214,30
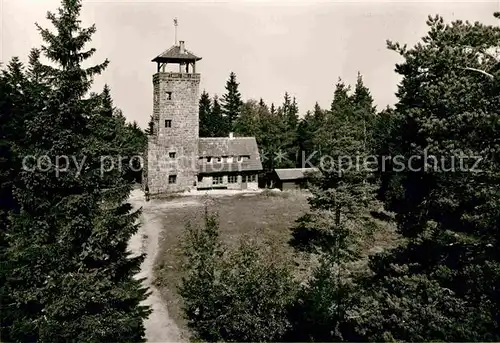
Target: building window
217,180
218,159
169,95
171,154
168,123
250,178
232,179
172,179
240,158
209,159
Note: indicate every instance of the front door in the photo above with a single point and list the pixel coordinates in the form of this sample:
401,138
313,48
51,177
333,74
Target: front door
243,182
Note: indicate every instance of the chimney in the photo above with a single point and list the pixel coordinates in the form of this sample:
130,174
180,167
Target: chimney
231,135
181,45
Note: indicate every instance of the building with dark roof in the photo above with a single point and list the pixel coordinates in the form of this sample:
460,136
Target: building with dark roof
293,178
177,158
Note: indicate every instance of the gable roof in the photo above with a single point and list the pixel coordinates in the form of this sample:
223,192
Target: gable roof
225,146
294,173
174,55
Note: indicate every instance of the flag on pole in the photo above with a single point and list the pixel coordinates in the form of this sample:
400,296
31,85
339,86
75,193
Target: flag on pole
175,21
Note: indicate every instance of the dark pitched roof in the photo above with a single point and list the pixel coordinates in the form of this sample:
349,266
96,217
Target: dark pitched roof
225,146
294,173
174,55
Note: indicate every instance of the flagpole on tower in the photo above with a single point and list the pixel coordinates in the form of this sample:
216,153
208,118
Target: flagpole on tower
175,30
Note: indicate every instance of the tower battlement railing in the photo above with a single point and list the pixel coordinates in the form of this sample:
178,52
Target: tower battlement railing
176,75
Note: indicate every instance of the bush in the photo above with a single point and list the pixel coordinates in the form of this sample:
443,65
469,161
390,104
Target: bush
323,303
200,286
240,295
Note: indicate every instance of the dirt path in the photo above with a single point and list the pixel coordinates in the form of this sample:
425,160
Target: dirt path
159,326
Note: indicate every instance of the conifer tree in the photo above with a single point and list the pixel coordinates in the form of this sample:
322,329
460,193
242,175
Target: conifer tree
364,110
234,295
341,99
444,280
151,125
341,112
262,104
339,219
272,109
292,115
222,127
231,101
271,138
107,102
70,274
289,115
12,91
307,130
342,186
206,120
247,123
286,106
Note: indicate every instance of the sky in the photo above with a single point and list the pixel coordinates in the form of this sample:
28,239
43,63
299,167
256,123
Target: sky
301,47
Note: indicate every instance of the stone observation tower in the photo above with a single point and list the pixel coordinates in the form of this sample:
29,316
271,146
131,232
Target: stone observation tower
177,159
172,156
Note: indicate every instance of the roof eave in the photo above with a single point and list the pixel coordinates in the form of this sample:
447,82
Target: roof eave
160,59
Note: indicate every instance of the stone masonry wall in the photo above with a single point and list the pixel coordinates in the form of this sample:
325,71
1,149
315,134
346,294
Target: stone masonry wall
181,138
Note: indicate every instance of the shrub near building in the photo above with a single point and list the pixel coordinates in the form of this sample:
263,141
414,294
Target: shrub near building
240,295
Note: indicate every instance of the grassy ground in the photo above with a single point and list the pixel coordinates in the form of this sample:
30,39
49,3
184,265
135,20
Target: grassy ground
267,216
264,216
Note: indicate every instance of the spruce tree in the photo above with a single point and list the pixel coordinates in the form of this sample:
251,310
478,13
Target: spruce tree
151,125
338,222
341,112
231,101
292,115
205,112
107,102
247,123
341,98
272,109
221,125
12,91
70,275
290,120
364,110
270,139
307,130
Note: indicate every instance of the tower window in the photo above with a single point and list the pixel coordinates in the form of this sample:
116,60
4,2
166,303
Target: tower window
172,179
168,123
169,95
171,154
